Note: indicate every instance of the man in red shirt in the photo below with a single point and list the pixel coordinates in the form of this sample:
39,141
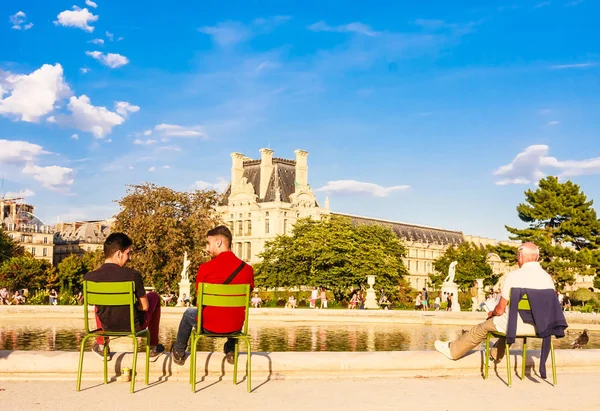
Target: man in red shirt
223,266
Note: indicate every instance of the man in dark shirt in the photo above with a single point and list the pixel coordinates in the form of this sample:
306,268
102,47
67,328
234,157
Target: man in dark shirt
117,251
218,320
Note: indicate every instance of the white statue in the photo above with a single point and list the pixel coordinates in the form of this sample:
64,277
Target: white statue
186,265
451,272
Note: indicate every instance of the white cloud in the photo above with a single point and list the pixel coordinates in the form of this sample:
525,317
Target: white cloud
97,41
574,3
220,185
52,177
152,169
18,21
75,136
110,36
553,123
124,108
131,167
166,167
16,152
173,130
32,95
527,166
147,132
542,4
84,70
355,27
227,33
79,18
17,194
144,142
569,66
94,119
352,186
169,148
111,60
91,3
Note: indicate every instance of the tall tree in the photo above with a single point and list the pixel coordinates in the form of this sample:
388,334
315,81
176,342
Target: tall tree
563,224
8,247
24,272
472,265
163,224
335,254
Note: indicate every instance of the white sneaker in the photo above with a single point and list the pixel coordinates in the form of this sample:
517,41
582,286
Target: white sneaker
443,347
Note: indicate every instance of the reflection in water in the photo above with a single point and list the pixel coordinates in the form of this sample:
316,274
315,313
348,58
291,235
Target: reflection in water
66,335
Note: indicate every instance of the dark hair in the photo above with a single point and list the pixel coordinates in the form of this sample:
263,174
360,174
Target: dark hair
222,231
116,242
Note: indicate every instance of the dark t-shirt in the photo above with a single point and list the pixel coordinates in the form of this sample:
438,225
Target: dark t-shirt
116,318
216,271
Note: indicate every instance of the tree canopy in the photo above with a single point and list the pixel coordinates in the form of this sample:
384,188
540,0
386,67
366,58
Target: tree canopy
163,224
24,272
472,264
8,247
335,254
563,224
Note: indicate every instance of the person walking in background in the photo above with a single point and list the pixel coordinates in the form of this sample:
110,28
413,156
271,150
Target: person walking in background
425,301
323,298
53,297
474,297
313,297
436,303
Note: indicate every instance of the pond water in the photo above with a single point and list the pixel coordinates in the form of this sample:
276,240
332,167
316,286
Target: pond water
66,335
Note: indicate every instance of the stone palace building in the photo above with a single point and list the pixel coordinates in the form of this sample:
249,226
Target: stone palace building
266,196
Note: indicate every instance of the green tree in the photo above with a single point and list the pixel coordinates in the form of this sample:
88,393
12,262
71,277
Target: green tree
92,260
24,272
163,224
563,224
335,254
472,264
70,273
8,247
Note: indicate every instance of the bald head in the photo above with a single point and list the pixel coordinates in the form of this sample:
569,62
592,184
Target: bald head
527,253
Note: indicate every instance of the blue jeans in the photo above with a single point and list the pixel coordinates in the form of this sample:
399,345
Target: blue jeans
189,321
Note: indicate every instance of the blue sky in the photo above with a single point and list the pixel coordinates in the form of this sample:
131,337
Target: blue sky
437,113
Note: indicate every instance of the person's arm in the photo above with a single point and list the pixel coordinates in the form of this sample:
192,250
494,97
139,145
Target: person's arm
143,303
140,292
499,309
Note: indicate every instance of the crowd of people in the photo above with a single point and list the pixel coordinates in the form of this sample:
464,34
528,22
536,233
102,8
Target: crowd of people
16,298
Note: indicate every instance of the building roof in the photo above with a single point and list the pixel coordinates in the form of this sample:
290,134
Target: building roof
282,182
412,232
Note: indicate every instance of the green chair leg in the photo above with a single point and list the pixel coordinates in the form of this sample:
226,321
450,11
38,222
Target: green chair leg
147,379
553,363
193,363
524,359
80,369
508,365
105,352
134,366
249,366
235,361
487,356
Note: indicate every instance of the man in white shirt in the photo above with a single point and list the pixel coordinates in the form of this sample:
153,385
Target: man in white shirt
529,275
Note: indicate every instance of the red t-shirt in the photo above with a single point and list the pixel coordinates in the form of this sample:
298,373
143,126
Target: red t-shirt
216,271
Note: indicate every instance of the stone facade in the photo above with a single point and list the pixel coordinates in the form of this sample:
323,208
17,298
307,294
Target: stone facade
19,222
265,198
79,237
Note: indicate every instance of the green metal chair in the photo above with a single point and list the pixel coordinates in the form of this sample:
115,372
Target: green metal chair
221,295
523,306
113,293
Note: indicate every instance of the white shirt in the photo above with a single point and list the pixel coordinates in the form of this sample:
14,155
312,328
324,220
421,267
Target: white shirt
530,275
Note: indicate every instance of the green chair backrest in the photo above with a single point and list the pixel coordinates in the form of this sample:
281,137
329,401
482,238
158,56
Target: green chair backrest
111,294
524,303
223,295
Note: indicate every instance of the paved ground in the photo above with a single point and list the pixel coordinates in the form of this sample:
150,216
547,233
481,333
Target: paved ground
574,392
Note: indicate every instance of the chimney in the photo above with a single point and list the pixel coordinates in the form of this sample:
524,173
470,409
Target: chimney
266,169
301,167
237,169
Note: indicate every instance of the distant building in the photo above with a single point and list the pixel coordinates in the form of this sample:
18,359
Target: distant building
50,243
26,229
79,237
267,196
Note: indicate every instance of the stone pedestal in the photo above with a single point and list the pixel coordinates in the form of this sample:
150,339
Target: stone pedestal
371,298
481,293
184,288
